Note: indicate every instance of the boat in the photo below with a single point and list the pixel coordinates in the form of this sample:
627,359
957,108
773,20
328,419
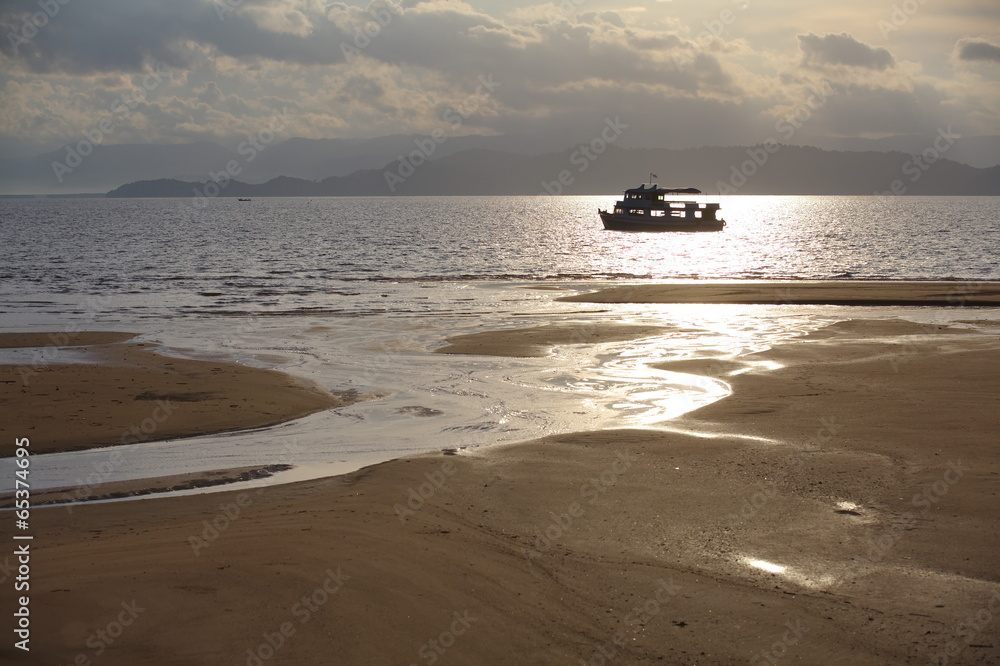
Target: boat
244,199
648,209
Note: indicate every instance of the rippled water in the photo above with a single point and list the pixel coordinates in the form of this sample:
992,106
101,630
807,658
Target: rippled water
303,253
367,286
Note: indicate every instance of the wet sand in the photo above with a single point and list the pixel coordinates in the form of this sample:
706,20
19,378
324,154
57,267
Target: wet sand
129,394
140,487
539,340
840,509
802,292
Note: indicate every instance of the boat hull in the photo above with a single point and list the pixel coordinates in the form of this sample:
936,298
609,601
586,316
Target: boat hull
617,223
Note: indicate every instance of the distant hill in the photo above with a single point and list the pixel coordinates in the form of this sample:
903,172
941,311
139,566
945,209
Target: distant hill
774,169
104,167
977,151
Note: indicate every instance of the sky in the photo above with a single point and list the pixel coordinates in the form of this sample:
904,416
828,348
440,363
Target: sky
678,73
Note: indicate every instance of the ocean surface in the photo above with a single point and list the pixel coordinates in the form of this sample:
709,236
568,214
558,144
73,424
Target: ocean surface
294,252
353,293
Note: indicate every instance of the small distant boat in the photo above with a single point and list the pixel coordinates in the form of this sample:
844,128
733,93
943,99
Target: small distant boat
241,199
648,209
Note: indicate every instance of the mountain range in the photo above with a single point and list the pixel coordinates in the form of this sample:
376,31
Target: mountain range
762,169
504,165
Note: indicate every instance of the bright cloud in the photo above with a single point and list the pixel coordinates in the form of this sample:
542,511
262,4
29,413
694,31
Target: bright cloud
682,73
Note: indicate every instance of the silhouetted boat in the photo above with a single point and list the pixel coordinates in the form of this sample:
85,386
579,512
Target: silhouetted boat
244,199
648,209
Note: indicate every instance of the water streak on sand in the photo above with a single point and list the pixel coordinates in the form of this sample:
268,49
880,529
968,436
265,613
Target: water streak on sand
472,401
413,397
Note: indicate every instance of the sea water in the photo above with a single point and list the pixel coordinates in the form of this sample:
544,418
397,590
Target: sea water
354,293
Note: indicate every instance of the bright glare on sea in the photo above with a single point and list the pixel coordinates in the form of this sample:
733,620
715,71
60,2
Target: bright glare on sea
353,293
293,253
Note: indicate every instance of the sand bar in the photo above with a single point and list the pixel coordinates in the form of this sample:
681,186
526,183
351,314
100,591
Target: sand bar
841,509
62,339
764,292
539,340
131,394
142,487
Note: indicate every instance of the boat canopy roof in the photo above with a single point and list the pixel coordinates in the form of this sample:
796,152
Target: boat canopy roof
656,189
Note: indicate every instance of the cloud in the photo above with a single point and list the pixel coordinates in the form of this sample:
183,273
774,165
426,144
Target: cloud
977,49
359,69
842,49
100,36
860,110
452,39
610,17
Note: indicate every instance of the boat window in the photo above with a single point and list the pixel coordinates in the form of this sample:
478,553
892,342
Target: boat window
657,213
637,211
619,211
659,197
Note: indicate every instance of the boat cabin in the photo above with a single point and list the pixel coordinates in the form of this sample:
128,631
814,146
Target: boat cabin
652,202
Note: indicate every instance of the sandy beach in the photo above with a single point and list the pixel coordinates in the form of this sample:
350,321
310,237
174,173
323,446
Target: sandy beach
803,292
838,508
130,394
